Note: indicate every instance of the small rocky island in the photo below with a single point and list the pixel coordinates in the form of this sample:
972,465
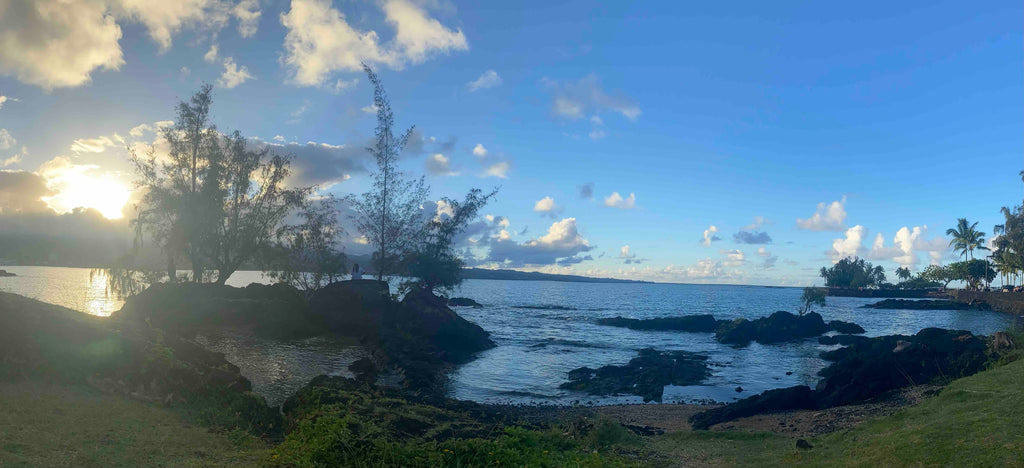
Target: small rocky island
6,274
778,327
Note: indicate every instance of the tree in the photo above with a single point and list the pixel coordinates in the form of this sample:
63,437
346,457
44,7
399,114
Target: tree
389,215
939,274
903,273
1009,242
853,272
966,238
972,272
254,202
435,264
811,296
307,256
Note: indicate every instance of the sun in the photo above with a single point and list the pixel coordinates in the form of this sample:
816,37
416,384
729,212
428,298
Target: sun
79,187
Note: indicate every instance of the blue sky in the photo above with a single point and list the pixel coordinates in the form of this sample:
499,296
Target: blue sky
890,115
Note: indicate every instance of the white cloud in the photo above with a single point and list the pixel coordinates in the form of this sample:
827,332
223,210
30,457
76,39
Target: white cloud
758,222
4,99
233,75
906,243
341,86
479,151
576,99
761,252
547,207
94,145
616,201
597,134
279,138
320,41
709,236
829,217
6,140
489,79
370,109
164,19
211,55
439,165
734,258
562,244
185,72
140,130
55,44
850,245
247,12
499,169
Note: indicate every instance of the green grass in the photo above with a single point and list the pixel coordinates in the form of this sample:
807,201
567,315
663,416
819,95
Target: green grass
975,421
45,424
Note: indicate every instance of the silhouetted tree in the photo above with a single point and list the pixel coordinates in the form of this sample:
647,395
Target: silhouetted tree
390,214
852,272
811,296
434,265
308,255
903,273
966,238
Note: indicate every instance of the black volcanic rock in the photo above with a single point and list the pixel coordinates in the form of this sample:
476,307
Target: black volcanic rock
777,327
686,323
645,375
846,328
463,302
782,399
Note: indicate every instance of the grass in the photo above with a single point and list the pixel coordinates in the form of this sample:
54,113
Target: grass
46,424
975,421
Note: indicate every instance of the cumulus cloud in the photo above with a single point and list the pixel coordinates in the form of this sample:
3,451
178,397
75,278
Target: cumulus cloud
851,244
577,99
499,169
479,151
769,259
547,207
751,237
4,99
709,236
340,86
320,41
906,244
489,79
22,192
562,244
830,217
211,55
616,201
439,165
321,164
629,257
96,145
55,44
164,19
586,190
233,75
141,130
734,257
247,12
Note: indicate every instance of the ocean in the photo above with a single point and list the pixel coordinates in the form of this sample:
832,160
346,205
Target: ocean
544,329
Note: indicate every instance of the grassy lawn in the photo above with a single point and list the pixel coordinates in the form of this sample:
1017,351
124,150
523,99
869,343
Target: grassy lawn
54,425
975,421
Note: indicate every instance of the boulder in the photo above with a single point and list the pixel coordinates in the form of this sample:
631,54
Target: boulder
845,328
687,323
352,308
782,399
464,302
777,327
273,311
457,338
645,375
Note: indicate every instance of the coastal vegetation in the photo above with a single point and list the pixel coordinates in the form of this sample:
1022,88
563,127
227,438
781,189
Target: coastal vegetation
852,272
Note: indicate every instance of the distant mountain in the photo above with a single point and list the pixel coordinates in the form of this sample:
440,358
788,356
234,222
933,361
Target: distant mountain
513,275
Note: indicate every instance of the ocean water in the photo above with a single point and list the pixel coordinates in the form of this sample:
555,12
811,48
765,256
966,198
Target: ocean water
545,329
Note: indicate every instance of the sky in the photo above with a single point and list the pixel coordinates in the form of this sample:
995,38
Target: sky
741,142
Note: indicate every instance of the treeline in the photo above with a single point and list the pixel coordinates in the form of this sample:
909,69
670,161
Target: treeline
214,204
1006,260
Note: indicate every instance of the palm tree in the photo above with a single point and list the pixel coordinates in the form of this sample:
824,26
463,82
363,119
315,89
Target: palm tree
903,273
966,238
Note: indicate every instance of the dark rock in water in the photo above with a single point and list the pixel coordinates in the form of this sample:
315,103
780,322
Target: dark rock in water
364,369
645,375
844,340
688,323
789,372
868,368
846,328
455,336
908,304
803,444
739,389
792,398
6,274
352,308
777,327
274,311
464,302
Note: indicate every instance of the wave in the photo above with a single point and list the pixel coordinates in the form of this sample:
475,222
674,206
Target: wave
574,343
543,307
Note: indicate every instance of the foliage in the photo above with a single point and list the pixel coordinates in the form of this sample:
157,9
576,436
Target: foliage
1008,257
938,273
972,272
811,296
210,199
903,273
308,257
435,265
853,272
389,215
966,238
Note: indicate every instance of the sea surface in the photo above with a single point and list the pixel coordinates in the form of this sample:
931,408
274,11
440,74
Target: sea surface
544,329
